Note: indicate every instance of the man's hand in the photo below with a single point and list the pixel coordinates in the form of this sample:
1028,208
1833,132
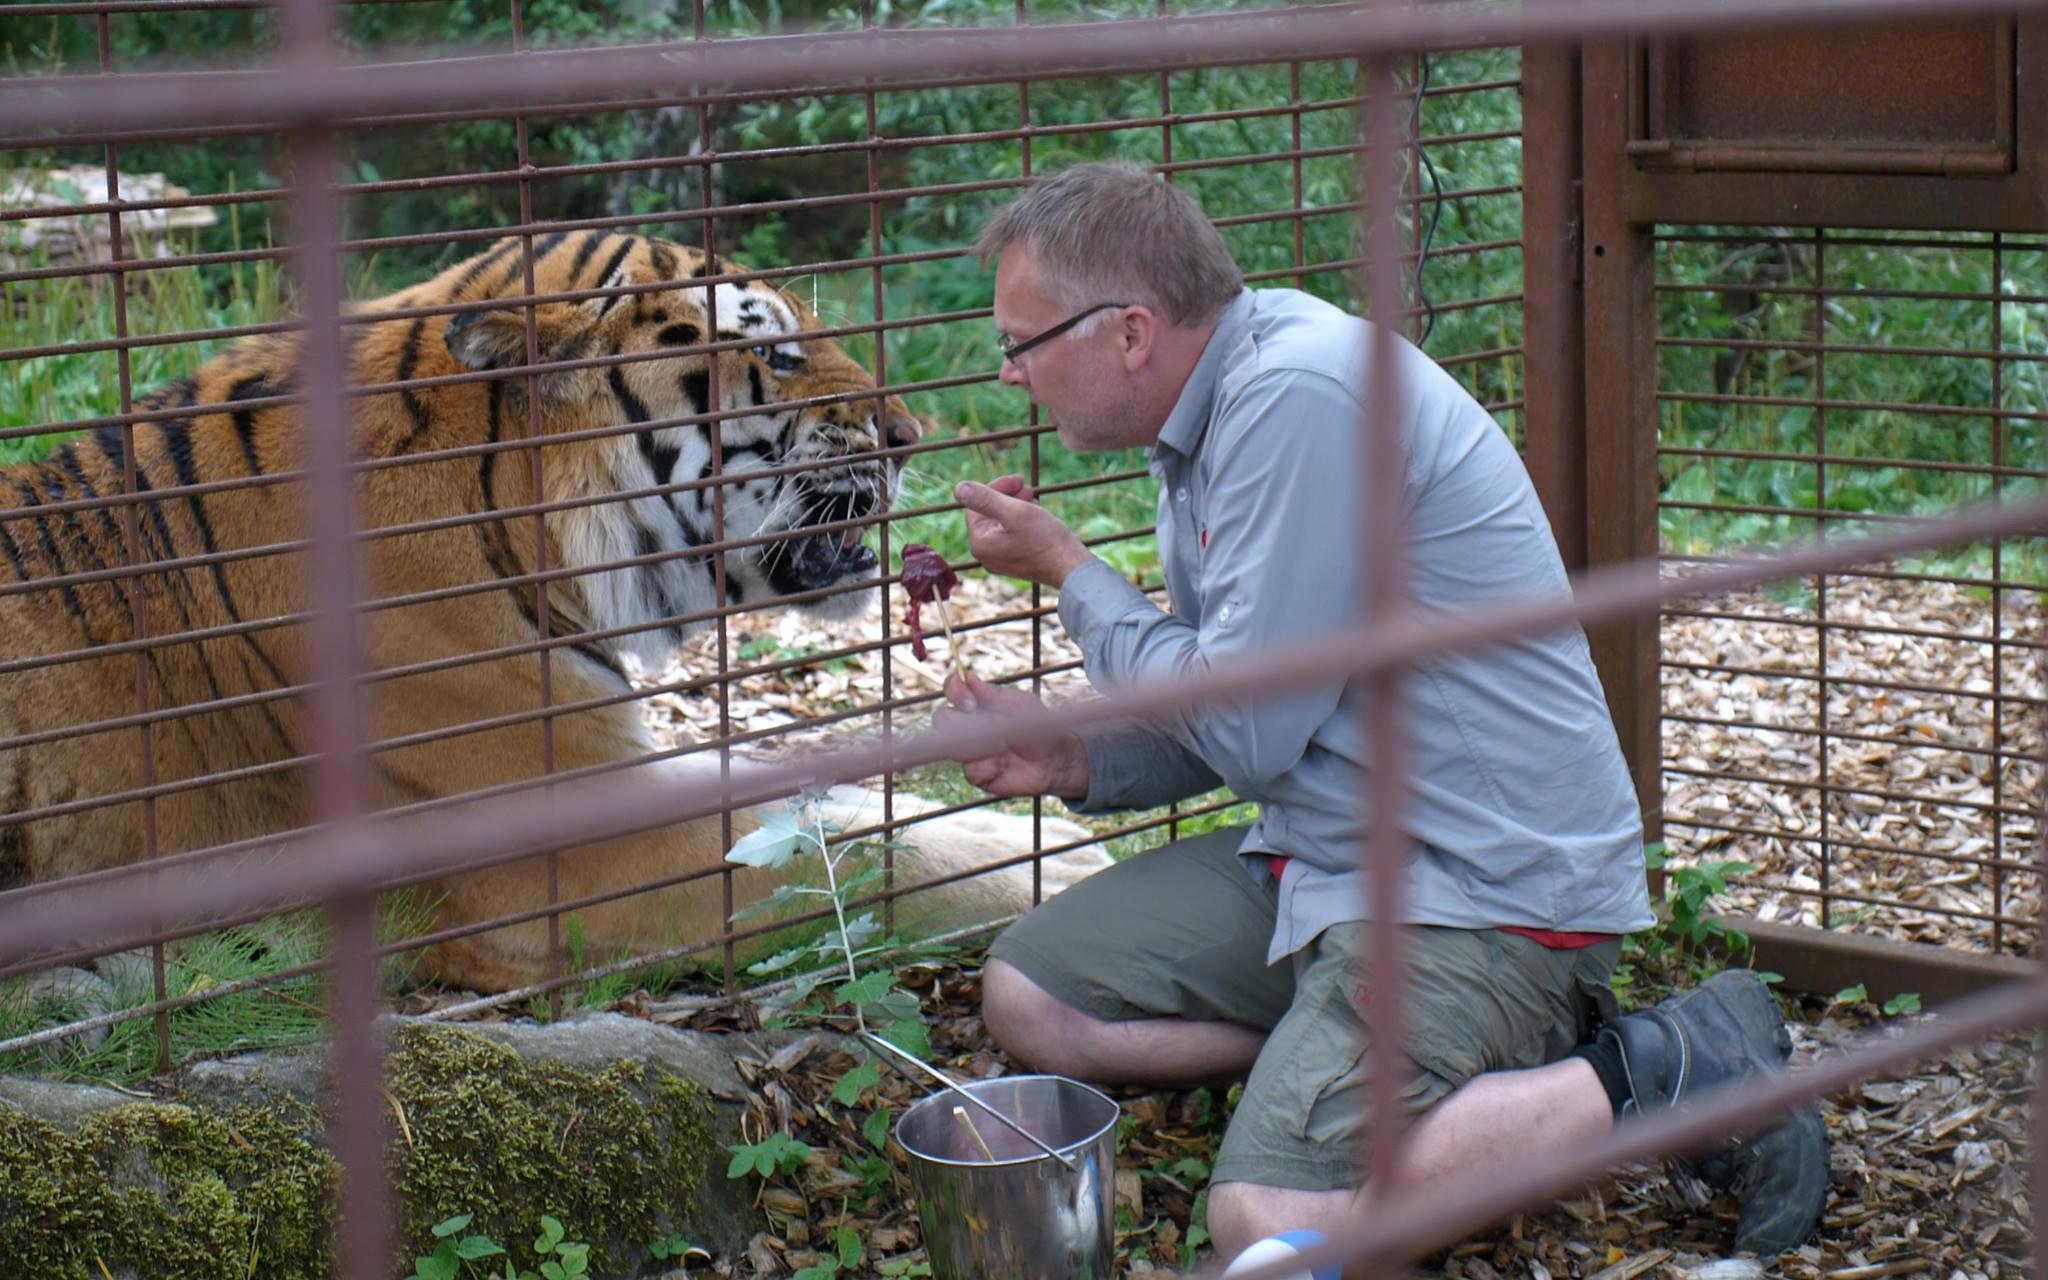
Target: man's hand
1058,768
1012,535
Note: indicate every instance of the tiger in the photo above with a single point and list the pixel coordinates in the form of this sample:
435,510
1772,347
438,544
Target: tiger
457,565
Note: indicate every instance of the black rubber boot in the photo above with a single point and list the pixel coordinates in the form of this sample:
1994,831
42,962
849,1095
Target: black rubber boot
1721,1033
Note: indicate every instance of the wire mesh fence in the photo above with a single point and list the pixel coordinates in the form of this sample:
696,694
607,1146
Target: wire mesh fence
541,626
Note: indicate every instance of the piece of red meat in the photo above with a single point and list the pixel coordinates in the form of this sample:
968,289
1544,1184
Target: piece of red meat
926,577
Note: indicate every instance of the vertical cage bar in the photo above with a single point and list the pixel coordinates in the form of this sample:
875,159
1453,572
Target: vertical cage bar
1998,707
339,782
1621,384
1554,445
2037,1183
715,470
1295,164
131,544
1385,591
1823,756
1167,175
536,476
884,558
1022,17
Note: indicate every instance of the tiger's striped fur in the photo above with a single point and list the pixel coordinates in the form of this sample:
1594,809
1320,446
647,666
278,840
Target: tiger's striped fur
255,749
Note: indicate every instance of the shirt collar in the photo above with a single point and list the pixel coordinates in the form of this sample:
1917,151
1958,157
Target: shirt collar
1190,416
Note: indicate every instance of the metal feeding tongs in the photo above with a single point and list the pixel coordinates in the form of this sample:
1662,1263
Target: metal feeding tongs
956,1087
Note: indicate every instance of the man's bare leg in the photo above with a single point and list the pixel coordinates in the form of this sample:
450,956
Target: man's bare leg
1550,1108
1053,1036
1554,1107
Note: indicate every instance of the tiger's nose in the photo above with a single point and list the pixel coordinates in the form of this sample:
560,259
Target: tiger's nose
903,432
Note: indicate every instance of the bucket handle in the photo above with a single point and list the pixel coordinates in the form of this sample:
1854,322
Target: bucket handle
954,1085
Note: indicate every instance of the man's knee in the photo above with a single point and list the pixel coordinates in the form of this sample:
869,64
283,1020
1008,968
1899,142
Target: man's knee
1243,1213
1031,1023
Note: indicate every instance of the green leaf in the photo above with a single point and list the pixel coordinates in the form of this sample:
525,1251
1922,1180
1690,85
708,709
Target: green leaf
824,1270
876,1130
910,1036
851,887
442,1264
784,959
784,895
867,990
847,1090
847,1242
551,1231
1852,995
1904,1002
897,1006
477,1247
772,844
553,1270
449,1226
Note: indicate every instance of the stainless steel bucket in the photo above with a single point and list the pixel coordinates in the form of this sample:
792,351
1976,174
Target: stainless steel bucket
1024,1215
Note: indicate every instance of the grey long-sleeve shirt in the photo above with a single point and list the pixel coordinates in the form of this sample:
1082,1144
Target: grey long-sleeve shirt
1522,811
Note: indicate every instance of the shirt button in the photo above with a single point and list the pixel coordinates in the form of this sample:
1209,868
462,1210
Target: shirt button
1180,495
1223,614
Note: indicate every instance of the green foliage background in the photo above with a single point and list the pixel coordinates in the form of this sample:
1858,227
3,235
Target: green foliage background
1289,222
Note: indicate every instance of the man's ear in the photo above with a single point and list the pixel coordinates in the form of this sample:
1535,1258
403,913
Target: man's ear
1137,334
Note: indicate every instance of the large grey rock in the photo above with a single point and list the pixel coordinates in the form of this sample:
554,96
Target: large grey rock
486,1107
60,1103
596,1040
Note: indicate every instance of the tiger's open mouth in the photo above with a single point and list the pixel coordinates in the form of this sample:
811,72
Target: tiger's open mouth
828,559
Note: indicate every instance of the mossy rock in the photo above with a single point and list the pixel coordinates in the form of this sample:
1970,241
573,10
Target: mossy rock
622,1152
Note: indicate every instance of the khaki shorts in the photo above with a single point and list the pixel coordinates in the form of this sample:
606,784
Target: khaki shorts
1182,932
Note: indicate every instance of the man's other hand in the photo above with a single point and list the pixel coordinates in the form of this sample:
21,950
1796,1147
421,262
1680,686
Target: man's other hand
1012,535
1058,768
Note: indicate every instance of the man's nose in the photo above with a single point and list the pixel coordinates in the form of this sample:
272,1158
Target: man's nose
1013,374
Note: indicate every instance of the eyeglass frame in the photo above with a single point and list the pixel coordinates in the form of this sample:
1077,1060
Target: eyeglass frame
1015,351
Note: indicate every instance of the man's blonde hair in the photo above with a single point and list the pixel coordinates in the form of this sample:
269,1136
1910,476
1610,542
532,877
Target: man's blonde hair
1114,232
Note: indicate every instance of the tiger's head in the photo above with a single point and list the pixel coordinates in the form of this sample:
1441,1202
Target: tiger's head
782,475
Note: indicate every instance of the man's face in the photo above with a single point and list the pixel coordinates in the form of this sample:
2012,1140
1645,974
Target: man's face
1079,379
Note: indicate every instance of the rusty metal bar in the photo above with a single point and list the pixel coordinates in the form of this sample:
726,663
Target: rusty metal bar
339,785
557,77
1383,587
1554,439
131,546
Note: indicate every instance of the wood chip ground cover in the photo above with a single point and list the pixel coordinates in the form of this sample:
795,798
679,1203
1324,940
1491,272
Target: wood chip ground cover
1932,764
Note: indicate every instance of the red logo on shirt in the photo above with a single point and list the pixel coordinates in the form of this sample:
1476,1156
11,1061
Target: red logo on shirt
1205,538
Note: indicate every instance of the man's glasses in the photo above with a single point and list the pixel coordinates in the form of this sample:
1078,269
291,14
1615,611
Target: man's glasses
1014,351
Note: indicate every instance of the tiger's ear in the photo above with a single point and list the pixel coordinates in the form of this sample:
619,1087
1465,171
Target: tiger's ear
497,339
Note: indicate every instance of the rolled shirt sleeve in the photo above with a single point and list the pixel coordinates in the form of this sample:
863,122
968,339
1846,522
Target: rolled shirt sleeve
1132,766
1268,572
